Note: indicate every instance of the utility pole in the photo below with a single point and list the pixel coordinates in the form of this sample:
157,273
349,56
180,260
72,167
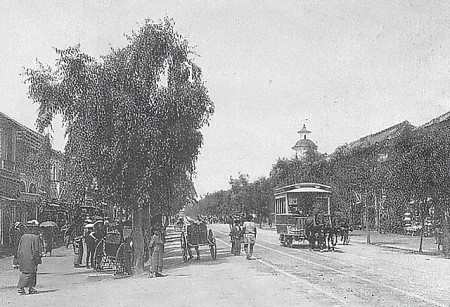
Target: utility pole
367,219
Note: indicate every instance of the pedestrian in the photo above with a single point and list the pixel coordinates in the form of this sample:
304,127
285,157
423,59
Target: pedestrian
78,251
27,258
156,246
91,242
249,237
236,238
48,237
128,255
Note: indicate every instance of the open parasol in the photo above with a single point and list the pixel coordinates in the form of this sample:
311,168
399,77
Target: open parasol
48,224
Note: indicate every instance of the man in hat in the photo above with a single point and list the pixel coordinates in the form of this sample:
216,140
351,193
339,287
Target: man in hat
156,246
27,258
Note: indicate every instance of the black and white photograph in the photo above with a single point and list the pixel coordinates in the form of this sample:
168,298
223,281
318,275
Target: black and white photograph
225,153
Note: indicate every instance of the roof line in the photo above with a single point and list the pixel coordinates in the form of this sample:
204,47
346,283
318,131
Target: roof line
20,125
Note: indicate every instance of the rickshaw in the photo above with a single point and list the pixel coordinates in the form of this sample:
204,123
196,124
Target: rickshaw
109,254
113,251
195,234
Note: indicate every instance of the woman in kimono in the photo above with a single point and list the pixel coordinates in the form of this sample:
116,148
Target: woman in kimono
27,258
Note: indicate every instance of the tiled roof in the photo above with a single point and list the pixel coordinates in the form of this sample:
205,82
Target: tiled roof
305,143
438,121
383,135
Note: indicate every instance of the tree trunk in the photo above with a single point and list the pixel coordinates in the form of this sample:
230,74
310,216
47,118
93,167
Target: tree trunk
422,223
446,234
138,241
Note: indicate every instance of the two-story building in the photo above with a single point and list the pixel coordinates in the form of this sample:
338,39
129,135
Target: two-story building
22,184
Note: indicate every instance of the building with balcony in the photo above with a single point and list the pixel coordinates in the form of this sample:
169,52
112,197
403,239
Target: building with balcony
23,186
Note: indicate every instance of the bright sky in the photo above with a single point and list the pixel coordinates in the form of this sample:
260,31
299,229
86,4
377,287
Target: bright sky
346,68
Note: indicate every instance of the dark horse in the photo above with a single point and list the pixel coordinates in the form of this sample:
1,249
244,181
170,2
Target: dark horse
315,232
320,232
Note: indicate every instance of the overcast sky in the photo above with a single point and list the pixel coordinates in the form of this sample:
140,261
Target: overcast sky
345,68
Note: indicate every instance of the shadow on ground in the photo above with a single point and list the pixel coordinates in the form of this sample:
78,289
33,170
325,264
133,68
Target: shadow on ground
6,251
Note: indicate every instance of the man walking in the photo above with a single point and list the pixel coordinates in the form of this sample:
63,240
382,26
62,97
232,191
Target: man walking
27,258
249,237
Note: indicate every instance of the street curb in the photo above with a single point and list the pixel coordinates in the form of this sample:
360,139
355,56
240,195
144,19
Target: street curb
412,251
99,277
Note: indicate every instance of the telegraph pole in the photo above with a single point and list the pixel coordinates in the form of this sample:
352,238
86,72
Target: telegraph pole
367,219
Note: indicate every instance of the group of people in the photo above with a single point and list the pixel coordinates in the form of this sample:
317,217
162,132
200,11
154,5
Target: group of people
246,234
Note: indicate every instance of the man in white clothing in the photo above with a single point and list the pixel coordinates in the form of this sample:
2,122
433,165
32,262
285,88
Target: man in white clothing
249,237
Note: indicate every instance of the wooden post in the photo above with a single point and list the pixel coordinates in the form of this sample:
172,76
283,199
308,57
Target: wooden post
367,219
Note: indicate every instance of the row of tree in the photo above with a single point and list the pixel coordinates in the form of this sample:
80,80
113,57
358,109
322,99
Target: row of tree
408,170
133,122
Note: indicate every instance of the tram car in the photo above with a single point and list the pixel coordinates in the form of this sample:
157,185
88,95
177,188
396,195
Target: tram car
297,207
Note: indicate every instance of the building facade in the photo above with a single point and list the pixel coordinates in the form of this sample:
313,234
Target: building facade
23,185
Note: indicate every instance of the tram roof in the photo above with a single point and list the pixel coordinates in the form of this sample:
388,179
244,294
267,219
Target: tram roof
308,187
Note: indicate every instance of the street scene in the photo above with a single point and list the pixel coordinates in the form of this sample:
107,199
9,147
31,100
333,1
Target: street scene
216,153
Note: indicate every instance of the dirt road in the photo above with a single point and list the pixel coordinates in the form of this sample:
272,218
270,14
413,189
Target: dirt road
353,275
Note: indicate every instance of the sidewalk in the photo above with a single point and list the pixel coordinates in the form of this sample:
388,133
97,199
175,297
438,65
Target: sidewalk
396,241
389,240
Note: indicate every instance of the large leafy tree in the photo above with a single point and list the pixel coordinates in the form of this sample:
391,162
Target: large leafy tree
133,121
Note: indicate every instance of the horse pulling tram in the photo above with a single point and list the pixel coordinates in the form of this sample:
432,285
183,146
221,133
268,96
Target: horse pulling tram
303,212
195,234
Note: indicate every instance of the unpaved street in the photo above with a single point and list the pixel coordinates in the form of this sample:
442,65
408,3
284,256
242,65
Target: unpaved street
353,275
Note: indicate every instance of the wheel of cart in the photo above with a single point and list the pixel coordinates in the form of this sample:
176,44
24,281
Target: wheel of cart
184,247
212,245
213,251
99,255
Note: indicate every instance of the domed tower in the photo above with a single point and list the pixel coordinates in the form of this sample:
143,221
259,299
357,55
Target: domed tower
304,144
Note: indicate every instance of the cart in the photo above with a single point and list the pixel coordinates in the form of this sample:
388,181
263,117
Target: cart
194,235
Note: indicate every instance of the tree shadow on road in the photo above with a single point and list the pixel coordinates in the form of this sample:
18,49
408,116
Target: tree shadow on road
46,291
6,251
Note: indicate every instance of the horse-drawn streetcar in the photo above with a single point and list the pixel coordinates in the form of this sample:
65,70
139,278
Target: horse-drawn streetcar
302,212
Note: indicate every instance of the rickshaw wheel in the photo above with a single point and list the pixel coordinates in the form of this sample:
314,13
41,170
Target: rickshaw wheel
213,251
120,260
98,255
184,248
